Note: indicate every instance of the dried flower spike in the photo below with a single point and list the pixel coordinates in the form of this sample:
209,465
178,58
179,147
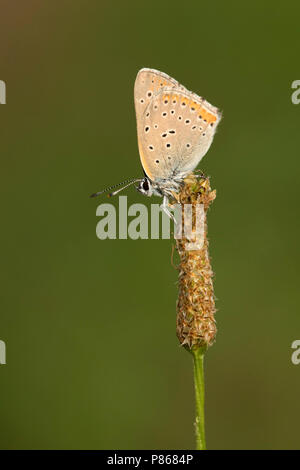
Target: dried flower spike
196,327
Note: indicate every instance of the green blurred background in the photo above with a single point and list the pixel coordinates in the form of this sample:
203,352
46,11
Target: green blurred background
92,356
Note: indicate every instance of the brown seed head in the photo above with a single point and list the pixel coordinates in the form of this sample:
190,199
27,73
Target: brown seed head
196,327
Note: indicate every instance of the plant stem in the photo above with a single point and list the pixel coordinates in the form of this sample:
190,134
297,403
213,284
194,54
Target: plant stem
198,357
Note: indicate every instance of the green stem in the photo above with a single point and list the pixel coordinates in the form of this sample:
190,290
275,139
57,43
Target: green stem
198,356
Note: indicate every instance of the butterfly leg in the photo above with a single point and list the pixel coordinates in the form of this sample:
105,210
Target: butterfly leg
165,208
201,174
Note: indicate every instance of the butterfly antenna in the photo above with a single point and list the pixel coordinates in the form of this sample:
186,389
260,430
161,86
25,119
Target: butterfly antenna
131,181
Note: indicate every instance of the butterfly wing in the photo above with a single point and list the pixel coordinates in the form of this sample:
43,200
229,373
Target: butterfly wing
148,83
175,130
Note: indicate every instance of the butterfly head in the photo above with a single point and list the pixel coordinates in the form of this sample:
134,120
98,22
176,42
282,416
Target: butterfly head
145,187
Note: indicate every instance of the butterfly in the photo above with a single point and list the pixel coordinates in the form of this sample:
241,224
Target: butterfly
175,129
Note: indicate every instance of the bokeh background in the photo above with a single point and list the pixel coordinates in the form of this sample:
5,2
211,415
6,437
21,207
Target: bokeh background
92,356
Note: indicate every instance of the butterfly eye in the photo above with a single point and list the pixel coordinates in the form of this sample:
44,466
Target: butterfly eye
145,185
